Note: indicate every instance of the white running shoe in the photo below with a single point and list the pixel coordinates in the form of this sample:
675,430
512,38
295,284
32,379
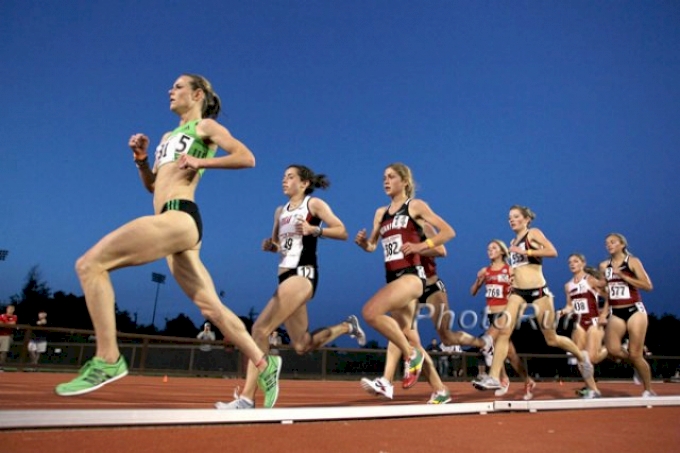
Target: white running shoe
487,349
488,383
505,385
637,380
379,386
355,330
529,390
239,402
648,394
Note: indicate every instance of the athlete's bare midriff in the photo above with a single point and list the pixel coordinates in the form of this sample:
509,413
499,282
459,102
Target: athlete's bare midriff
173,183
529,276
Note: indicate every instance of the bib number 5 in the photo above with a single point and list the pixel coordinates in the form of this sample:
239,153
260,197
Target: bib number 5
175,146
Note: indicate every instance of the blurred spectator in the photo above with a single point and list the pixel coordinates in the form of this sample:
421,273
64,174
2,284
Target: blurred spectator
206,335
441,360
274,342
204,361
676,376
456,362
6,333
38,344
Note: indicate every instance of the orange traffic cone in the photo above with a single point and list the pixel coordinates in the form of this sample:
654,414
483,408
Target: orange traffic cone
165,378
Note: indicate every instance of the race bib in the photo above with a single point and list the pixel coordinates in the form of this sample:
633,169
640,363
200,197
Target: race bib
517,259
392,248
640,307
580,306
609,273
175,146
306,272
494,291
619,291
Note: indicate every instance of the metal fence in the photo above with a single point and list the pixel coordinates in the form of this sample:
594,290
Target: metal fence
162,355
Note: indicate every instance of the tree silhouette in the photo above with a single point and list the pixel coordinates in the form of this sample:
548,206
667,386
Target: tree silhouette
34,296
372,344
180,326
124,322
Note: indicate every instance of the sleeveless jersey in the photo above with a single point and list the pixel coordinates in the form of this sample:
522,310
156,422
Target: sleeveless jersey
583,299
620,292
497,284
429,265
183,140
518,259
296,249
395,230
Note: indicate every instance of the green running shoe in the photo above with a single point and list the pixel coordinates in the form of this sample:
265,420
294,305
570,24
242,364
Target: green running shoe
268,380
583,391
94,374
440,397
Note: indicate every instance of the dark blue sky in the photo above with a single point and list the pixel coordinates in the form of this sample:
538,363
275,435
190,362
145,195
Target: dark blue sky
569,107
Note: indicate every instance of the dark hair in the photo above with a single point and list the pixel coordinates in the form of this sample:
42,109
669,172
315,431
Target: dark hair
315,181
211,102
525,211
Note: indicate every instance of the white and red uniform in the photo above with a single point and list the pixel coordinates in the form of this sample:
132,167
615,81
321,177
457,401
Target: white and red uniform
497,285
296,249
584,302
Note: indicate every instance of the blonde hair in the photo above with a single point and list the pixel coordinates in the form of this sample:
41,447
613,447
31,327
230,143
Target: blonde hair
503,247
580,256
406,175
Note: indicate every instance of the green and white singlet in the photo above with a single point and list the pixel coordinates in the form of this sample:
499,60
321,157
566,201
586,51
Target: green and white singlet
183,140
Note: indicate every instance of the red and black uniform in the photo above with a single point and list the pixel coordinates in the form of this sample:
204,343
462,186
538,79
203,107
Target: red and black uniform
584,302
624,298
396,230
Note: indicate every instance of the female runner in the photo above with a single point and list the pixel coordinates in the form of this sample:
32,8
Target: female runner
626,276
297,229
173,232
496,277
529,287
399,228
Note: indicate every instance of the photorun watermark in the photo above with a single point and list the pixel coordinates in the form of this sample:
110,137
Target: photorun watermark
469,319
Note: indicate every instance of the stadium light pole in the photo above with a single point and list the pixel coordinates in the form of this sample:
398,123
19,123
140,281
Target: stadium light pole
3,254
158,279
